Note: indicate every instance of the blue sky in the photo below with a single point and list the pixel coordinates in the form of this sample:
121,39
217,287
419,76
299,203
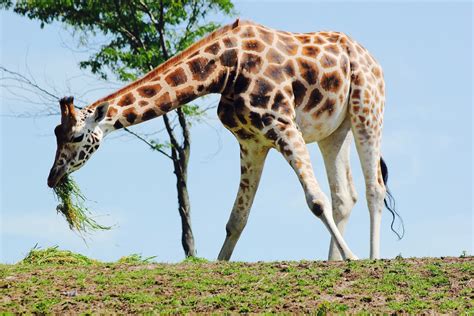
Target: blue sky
426,52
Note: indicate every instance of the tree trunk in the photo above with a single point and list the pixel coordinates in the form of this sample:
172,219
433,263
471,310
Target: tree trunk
184,206
180,154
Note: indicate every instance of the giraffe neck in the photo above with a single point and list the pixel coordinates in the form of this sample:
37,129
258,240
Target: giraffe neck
208,66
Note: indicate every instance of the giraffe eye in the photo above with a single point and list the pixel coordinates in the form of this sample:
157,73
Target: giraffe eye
78,139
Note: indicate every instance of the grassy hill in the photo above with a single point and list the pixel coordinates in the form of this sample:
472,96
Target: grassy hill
55,281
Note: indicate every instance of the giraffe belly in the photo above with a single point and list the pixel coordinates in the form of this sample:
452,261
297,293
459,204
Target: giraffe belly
317,127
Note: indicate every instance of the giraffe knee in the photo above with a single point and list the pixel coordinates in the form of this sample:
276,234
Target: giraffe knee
375,197
319,206
343,203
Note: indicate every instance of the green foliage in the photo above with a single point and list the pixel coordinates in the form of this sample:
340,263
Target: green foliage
53,255
195,260
72,206
135,258
137,35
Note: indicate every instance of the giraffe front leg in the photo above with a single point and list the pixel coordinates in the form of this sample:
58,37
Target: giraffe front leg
252,159
290,143
336,153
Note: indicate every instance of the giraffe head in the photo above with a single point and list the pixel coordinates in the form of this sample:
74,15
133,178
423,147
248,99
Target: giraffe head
78,137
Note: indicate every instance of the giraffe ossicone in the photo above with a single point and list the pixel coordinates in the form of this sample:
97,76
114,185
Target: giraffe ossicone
278,90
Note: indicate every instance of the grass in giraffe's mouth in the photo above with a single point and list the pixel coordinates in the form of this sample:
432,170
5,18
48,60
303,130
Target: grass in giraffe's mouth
72,206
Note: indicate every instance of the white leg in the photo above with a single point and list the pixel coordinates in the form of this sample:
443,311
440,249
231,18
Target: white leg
369,154
252,158
292,146
336,153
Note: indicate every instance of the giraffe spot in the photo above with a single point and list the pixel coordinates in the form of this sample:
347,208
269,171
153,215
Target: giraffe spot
213,48
130,115
229,42
327,106
380,87
218,83
247,32
256,120
243,134
274,57
241,84
201,68
345,65
185,95
266,36
251,62
275,73
333,37
200,88
176,78
318,40
227,115
289,68
361,118
308,71
82,154
240,109
112,111
283,147
164,102
259,100
287,48
142,103
310,51
377,73
331,81
356,94
304,39
262,87
117,124
149,114
367,94
148,91
126,100
299,91
328,61
267,119
253,45
229,58
280,104
332,48
271,135
314,99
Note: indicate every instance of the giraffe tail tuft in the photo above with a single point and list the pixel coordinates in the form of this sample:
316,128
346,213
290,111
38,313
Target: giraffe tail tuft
390,202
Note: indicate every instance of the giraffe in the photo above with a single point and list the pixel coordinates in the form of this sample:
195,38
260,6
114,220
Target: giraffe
278,90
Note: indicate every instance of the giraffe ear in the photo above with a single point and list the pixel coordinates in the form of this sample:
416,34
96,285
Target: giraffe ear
101,112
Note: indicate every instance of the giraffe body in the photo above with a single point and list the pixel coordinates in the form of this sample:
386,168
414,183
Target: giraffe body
278,90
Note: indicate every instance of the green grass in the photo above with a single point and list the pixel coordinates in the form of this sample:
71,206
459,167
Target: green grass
72,206
58,282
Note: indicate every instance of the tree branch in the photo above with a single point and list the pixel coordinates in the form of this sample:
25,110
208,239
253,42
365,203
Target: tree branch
154,147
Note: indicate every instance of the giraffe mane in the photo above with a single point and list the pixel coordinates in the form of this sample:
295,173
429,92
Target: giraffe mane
176,58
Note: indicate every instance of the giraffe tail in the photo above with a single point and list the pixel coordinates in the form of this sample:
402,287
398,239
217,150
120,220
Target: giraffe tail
390,201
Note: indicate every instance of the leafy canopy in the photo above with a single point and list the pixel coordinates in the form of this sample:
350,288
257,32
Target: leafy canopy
137,35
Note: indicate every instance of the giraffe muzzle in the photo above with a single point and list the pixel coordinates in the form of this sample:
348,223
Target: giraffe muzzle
54,176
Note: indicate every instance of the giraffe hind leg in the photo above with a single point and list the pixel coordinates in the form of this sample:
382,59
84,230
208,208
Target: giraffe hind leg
366,122
335,150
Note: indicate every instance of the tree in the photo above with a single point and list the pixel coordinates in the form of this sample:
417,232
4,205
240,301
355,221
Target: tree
139,35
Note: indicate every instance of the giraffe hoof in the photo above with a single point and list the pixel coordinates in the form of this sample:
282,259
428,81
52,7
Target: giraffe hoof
351,257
